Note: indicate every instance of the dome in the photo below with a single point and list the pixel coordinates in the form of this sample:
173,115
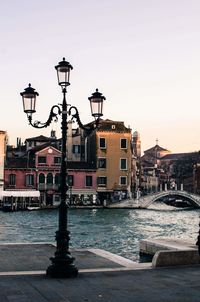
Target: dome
136,134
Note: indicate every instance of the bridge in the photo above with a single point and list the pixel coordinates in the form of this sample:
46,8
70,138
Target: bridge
145,201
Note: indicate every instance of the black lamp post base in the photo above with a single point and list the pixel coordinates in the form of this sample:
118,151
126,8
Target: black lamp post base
60,268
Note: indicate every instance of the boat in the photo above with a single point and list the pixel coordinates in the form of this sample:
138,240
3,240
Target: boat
7,207
33,208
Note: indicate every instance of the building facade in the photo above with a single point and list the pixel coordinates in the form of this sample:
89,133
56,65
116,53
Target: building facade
109,148
100,164
39,169
152,174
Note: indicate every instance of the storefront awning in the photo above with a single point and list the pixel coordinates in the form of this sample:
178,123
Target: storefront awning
82,191
19,193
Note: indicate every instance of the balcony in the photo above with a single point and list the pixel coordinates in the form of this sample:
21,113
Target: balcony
45,187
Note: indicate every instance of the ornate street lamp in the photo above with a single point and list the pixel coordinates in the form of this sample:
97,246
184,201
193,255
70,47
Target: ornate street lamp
96,104
29,99
62,262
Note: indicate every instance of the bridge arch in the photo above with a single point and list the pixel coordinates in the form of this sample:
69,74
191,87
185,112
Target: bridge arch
149,199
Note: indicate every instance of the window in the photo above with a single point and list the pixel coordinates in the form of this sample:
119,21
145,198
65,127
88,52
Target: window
123,164
102,163
76,149
41,178
102,143
88,180
102,181
123,180
70,180
57,179
29,179
12,179
123,143
49,178
41,159
56,198
57,160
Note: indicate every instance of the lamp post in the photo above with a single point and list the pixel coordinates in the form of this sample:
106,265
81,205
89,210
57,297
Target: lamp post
62,263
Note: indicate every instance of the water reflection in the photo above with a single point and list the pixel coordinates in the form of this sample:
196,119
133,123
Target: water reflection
115,230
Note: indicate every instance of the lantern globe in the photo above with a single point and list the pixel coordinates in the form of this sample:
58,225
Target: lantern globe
63,73
29,99
96,104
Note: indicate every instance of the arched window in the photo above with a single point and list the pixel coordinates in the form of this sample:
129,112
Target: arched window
49,178
41,178
57,179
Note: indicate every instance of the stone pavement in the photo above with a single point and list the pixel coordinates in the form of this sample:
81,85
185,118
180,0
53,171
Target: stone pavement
102,277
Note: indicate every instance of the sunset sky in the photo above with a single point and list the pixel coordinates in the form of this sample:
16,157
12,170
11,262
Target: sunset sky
143,55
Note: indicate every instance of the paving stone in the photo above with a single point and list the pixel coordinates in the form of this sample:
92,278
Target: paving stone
145,285
35,257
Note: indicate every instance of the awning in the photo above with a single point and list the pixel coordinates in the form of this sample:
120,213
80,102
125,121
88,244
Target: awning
82,191
19,193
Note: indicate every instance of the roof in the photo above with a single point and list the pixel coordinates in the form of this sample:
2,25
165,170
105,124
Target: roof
110,125
21,148
43,146
41,138
156,148
19,163
113,126
178,156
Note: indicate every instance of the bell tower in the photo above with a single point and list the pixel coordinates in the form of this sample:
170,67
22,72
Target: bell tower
136,144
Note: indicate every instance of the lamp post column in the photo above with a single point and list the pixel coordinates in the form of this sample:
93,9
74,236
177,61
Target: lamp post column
62,264
63,171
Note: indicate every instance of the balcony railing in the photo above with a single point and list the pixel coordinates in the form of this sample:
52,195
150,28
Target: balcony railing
45,187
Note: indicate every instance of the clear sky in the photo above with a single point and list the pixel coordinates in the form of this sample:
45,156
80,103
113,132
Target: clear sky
143,55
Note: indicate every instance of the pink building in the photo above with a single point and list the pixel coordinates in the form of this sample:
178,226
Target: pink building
82,182
18,175
40,170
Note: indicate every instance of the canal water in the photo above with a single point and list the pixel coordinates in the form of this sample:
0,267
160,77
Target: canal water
116,230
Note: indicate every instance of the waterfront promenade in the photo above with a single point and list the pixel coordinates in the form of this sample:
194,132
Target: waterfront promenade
102,277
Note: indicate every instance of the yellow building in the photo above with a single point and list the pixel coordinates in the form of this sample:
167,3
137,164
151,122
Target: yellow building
113,158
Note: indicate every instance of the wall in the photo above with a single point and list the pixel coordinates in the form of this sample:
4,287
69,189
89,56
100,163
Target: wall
113,154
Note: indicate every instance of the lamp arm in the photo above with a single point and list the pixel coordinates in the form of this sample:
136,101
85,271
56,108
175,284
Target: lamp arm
77,117
52,115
